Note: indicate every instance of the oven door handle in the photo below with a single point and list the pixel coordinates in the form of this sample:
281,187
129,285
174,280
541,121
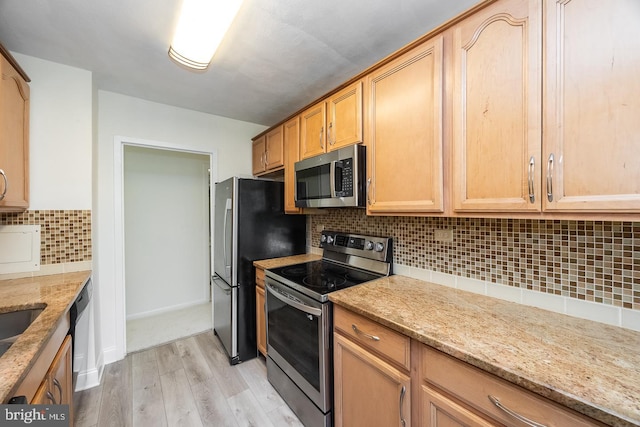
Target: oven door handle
299,305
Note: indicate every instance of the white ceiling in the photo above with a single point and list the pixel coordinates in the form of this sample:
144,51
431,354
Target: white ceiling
278,56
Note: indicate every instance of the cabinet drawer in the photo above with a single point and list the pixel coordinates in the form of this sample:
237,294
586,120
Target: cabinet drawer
388,343
473,387
260,277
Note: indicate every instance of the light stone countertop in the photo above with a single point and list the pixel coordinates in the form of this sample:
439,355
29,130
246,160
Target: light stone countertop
288,260
588,366
56,293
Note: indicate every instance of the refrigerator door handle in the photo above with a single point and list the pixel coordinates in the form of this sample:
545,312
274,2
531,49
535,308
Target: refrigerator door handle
227,213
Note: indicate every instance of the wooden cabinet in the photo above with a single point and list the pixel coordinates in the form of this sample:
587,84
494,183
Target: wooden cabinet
261,317
332,123
403,133
369,389
497,108
291,132
344,117
14,135
313,138
57,386
454,393
268,152
591,106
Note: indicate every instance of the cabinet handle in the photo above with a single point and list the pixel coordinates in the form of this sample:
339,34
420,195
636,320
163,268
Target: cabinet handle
550,178
532,164
359,332
321,132
402,393
6,184
51,398
514,414
368,192
266,158
331,140
56,383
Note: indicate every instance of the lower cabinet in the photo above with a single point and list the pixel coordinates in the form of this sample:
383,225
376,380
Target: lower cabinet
370,388
261,318
375,369
57,386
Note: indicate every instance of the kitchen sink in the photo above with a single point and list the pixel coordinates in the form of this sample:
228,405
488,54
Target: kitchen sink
13,324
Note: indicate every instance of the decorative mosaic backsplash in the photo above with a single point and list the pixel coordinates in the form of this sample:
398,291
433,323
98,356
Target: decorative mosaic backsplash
65,235
588,260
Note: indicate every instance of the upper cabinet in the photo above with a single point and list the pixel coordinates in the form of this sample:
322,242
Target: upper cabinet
497,108
592,106
332,123
14,135
403,133
313,139
291,148
268,152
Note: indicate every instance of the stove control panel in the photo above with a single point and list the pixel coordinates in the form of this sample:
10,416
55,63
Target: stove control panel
378,248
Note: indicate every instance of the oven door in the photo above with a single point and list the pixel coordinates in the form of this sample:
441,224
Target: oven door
299,340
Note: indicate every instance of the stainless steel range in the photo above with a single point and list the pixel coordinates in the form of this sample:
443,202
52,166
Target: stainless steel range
299,319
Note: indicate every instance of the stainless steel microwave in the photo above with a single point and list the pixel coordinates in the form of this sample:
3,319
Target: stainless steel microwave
333,179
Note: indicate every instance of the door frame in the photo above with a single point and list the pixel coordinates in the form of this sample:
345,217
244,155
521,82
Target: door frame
119,142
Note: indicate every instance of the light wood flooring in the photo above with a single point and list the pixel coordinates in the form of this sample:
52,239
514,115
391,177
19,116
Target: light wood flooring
188,382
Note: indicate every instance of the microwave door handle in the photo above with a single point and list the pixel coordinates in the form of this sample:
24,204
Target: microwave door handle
332,178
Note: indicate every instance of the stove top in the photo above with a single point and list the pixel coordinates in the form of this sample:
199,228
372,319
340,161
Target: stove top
348,260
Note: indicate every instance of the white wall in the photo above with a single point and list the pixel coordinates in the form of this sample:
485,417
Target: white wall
133,118
60,134
166,212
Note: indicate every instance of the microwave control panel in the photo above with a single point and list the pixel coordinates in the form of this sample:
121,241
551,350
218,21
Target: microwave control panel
344,178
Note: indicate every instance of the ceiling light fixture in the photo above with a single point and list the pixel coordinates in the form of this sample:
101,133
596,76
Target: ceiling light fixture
201,27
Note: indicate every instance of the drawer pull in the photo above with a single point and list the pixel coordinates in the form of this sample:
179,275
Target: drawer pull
364,334
56,383
51,398
514,414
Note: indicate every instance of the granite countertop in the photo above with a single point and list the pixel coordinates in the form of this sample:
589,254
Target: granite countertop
288,260
588,366
56,293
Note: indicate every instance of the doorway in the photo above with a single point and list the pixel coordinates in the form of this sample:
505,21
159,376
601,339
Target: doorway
166,204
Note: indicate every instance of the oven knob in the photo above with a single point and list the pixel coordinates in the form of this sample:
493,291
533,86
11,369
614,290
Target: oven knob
379,247
369,245
329,239
323,238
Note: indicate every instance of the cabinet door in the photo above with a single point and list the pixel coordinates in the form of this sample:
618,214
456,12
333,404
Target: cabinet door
368,391
258,161
592,106
291,133
41,397
312,132
344,121
274,150
439,411
61,381
403,105
14,138
497,109
261,321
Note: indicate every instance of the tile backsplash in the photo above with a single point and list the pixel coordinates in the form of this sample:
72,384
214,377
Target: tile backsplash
587,260
65,234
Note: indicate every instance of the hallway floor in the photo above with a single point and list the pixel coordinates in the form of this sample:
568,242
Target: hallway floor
166,327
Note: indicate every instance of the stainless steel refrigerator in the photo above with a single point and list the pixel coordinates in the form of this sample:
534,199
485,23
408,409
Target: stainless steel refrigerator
250,224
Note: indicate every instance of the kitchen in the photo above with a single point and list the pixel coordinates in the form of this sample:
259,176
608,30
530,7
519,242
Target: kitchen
592,274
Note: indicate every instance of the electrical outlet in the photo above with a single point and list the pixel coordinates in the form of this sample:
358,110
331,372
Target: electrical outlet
319,228
443,235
